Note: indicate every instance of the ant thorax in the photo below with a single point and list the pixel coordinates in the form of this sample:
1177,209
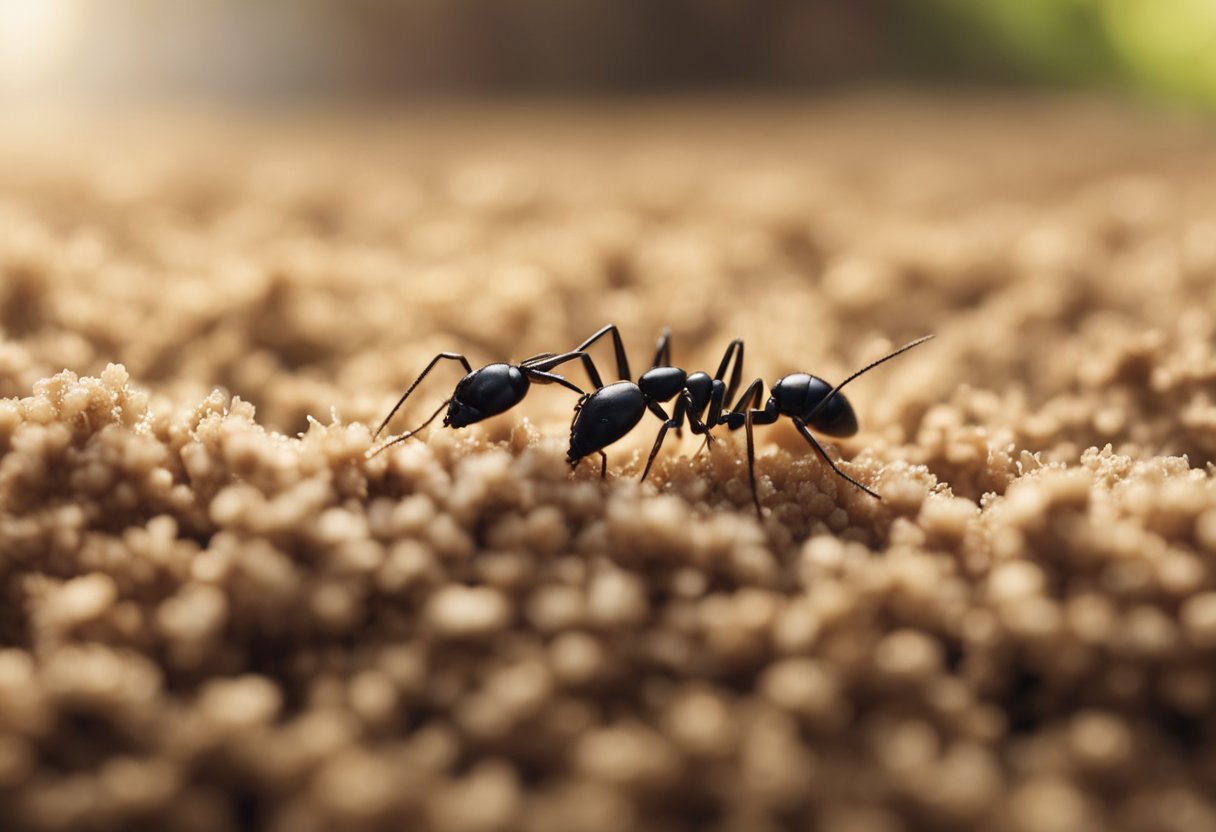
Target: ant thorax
662,383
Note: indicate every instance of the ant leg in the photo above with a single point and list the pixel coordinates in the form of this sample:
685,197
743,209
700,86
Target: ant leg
743,416
714,419
547,361
552,378
736,377
622,362
751,463
662,350
657,409
717,395
695,424
654,451
757,417
603,464
451,356
722,393
536,359
676,421
537,369
408,434
806,434
751,397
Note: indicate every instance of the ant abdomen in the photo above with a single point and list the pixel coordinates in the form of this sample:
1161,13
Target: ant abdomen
604,417
608,413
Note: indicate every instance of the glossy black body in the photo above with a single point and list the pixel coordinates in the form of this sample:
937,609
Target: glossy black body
803,395
809,402
493,389
608,413
700,388
496,388
662,383
604,417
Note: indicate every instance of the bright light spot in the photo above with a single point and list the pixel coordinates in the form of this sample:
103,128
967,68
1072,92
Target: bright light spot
35,40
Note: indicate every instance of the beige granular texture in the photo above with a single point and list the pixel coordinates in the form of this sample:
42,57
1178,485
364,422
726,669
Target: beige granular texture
217,614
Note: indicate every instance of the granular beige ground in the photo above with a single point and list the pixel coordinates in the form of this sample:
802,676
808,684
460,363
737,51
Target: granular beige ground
217,614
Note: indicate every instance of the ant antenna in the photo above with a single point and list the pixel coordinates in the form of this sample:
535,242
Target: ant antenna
863,371
408,434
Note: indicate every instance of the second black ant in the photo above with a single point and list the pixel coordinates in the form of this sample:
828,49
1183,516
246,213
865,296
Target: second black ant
496,388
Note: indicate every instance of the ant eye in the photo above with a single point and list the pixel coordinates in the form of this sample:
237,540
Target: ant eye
603,420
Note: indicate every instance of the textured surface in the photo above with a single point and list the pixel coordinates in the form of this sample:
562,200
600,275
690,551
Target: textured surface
215,613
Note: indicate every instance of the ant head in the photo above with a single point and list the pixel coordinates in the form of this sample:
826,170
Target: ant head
827,412
821,406
807,396
486,392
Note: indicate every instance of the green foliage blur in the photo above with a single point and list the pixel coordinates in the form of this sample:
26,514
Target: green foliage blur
1162,49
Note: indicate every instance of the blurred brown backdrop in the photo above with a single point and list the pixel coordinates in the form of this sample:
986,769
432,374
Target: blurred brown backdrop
287,48
285,51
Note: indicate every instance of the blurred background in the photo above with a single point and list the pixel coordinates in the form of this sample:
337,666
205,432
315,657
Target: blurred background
307,50
301,201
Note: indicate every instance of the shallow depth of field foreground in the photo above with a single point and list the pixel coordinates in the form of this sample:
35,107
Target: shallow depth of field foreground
217,614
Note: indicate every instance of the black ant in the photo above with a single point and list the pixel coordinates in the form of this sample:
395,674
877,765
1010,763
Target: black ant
496,388
809,401
608,413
